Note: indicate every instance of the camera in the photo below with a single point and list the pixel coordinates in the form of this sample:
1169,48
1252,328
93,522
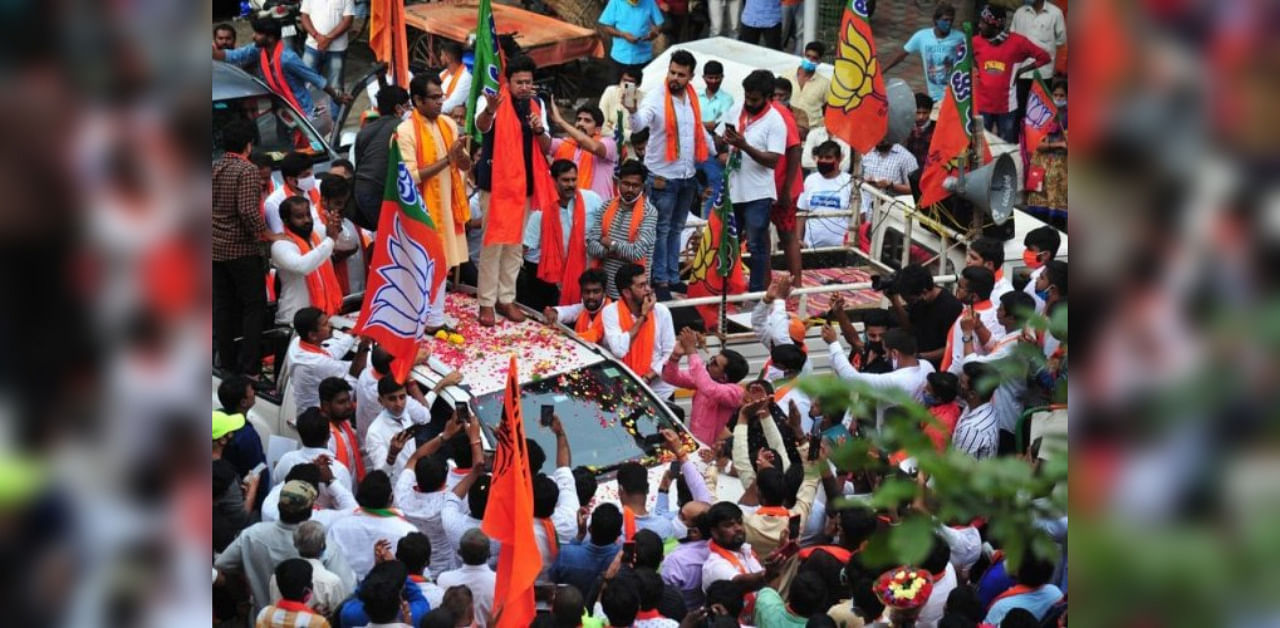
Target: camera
887,285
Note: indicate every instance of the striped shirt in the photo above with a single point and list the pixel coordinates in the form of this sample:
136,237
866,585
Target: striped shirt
287,614
624,250
977,432
895,166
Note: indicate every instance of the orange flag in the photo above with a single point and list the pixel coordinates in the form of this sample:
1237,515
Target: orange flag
857,109
951,135
387,38
509,515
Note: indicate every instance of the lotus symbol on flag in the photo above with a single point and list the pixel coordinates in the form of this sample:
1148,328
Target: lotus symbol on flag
402,303
854,72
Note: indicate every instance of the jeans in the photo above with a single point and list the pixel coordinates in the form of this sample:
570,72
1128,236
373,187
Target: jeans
1003,124
329,65
672,203
715,179
793,26
239,309
753,220
772,35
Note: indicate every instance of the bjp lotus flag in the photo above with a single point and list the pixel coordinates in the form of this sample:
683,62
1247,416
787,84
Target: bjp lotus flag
508,517
1041,113
717,268
857,109
951,136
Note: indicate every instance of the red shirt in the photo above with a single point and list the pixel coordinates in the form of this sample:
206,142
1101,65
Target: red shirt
947,414
994,67
780,170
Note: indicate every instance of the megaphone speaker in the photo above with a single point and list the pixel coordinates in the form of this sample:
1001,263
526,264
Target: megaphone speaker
902,110
993,187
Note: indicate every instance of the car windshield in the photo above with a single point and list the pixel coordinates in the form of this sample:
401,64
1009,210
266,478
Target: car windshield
280,129
607,416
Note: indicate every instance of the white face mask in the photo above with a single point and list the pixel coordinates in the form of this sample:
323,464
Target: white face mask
307,183
1060,102
678,529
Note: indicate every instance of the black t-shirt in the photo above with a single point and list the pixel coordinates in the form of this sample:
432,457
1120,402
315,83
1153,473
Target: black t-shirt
373,145
931,320
484,169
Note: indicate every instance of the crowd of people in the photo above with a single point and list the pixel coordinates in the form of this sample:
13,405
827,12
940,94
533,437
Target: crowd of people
377,518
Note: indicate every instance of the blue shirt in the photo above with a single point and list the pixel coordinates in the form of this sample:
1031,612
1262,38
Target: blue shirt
636,19
714,107
1038,602
937,56
762,13
353,614
533,228
581,564
296,73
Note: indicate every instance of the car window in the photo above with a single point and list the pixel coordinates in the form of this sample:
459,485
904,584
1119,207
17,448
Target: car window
607,416
280,128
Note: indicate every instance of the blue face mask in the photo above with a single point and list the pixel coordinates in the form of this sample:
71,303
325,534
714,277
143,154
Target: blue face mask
1043,294
929,400
808,66
1028,2
944,26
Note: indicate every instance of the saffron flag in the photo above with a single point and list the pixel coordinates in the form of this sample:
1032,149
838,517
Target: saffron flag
716,266
857,109
1041,112
387,38
407,270
955,128
509,513
488,65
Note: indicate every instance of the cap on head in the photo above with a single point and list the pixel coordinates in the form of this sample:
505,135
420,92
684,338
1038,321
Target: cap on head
296,494
224,423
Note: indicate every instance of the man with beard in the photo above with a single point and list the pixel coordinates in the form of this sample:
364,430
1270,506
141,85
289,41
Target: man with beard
978,326
866,356
584,316
303,261
555,242
731,557
638,330
282,70
435,154
677,144
595,155
758,134
922,131
338,406
511,185
224,36
623,232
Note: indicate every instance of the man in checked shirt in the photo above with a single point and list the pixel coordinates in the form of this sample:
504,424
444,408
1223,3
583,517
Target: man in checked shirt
239,238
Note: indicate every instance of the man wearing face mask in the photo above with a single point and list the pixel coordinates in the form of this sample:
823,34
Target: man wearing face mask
298,179
908,375
998,59
1014,309
808,88
937,49
867,356
373,144
828,190
922,130
1041,248
887,167
283,71
435,153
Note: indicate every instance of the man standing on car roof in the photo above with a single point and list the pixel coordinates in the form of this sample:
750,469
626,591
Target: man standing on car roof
283,71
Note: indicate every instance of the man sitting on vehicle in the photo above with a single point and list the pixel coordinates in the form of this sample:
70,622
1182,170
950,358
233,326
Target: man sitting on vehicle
385,444
367,406
585,316
313,431
284,73
311,362
333,500
638,329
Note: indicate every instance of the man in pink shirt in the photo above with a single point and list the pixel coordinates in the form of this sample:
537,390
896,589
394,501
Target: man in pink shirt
717,394
997,56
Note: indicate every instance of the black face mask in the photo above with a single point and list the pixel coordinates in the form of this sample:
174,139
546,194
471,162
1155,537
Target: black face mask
875,347
826,168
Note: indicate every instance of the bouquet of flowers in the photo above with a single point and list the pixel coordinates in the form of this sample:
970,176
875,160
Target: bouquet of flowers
904,588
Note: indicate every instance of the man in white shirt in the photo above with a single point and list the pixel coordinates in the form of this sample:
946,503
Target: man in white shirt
414,550
313,431
455,80
978,326
464,508
828,190
474,574
1041,248
304,262
636,322
386,443
758,135
297,179
310,362
1010,396
1043,23
977,431
887,167
672,163
989,253
555,503
907,379
333,500
327,589
731,557
327,23
775,327
367,406
375,520
421,489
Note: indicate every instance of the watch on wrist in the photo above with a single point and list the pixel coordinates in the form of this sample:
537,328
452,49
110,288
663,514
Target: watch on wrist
968,338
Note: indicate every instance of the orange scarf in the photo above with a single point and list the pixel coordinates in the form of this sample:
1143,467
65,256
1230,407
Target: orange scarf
673,137
640,356
552,541
951,335
273,74
606,226
773,511
505,222
590,327
450,77
748,609
781,392
556,264
585,159
322,283
347,453
431,192
628,524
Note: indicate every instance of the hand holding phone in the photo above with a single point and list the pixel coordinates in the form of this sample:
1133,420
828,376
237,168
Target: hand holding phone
793,528
463,411
548,413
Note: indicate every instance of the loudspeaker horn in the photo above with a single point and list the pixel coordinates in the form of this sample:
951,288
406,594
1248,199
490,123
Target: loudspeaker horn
902,110
993,187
